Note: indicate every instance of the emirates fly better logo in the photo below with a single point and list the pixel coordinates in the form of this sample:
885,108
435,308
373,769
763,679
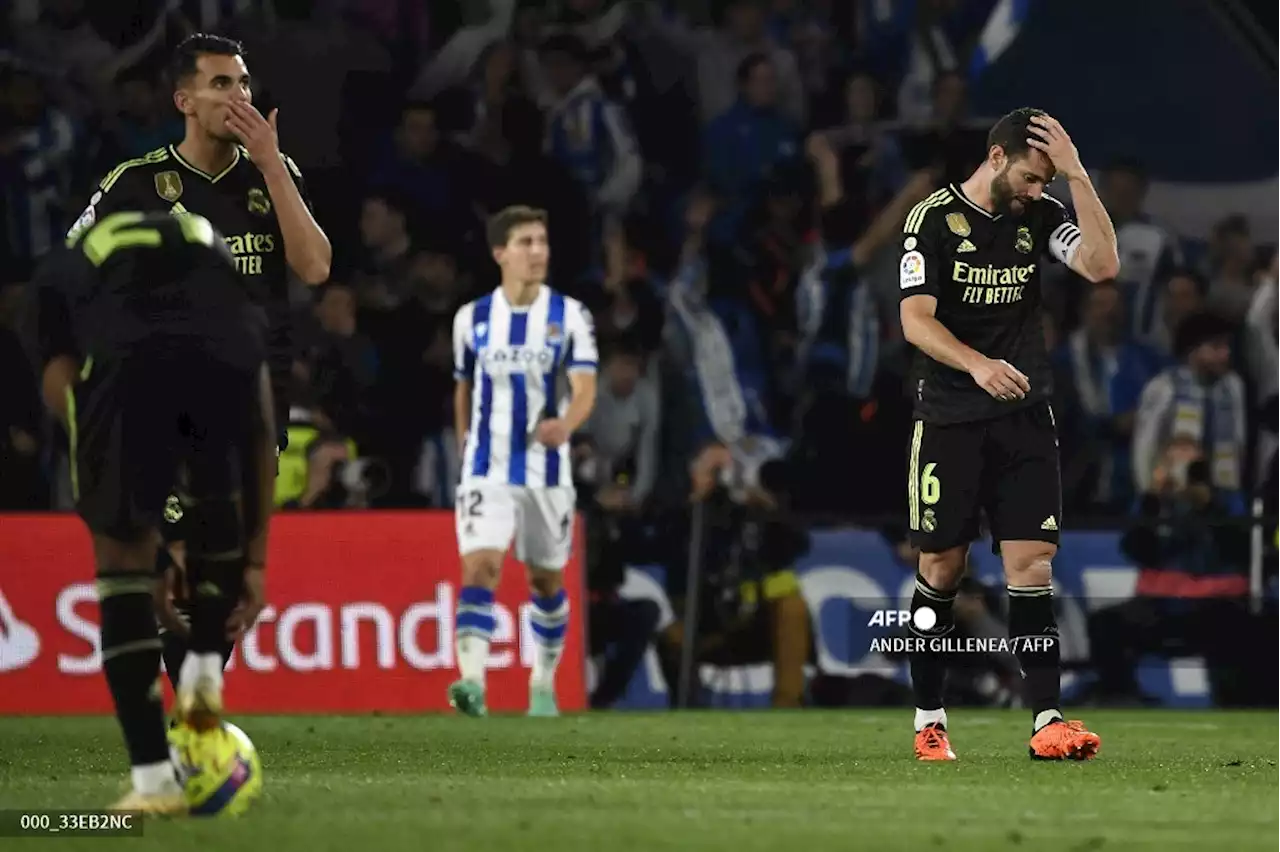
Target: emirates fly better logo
19,642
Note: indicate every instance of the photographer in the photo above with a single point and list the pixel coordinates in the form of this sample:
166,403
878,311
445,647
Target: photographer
751,609
1192,584
615,467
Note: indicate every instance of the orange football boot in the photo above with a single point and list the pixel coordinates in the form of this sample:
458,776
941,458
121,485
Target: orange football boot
1061,740
932,744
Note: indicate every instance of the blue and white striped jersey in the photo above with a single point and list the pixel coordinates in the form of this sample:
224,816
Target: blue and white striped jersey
518,360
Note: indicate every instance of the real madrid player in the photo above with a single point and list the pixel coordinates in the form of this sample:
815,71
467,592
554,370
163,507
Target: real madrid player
984,439
525,364
154,355
229,169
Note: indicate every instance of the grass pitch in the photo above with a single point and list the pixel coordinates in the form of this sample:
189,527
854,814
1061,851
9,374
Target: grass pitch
808,780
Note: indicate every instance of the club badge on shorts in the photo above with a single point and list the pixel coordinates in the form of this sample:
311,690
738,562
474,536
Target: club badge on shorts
958,224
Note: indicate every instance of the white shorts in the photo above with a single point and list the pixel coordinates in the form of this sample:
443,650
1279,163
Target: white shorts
490,514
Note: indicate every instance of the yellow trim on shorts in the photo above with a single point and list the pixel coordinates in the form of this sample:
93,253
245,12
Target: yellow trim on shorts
913,477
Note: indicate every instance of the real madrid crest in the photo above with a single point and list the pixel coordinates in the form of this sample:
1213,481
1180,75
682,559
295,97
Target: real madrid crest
958,224
1023,242
169,186
258,202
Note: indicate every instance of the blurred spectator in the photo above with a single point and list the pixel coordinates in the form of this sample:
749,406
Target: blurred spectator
424,167
1149,254
384,268
1191,586
22,483
745,144
305,60
80,64
343,363
1230,270
872,164
751,606
412,339
1202,401
719,53
147,119
36,155
619,457
1180,295
947,141
1107,374
587,134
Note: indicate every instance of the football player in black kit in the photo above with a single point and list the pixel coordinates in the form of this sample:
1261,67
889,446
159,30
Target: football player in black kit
153,355
229,169
984,438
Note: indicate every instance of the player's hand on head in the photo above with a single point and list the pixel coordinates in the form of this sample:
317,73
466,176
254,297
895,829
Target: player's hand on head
252,602
257,134
1048,136
1001,379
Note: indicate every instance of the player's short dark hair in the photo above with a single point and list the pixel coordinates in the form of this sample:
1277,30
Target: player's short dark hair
183,64
1011,132
502,223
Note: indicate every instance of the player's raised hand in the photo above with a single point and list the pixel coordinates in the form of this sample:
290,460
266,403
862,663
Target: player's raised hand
257,134
1001,379
1049,137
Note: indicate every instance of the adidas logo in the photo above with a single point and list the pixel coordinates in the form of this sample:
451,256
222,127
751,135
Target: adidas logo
1050,523
965,247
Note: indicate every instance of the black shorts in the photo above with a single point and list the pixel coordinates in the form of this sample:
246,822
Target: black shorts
1006,467
141,425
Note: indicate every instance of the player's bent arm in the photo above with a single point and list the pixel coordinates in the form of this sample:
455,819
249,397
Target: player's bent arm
306,248
1095,257
582,384
923,330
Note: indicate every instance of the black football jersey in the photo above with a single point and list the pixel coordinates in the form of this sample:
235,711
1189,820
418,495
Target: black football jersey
984,270
151,286
235,200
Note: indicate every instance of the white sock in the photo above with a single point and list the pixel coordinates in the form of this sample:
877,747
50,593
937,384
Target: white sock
473,655
1044,717
150,779
473,629
196,666
550,621
930,717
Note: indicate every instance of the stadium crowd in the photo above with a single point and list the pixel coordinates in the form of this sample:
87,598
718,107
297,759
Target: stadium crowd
725,188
